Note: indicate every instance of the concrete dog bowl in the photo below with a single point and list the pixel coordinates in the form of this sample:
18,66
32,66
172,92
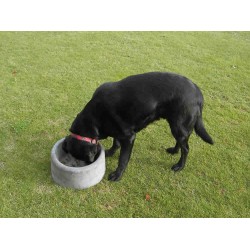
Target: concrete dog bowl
76,177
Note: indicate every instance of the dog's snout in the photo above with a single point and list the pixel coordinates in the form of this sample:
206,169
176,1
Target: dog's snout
91,158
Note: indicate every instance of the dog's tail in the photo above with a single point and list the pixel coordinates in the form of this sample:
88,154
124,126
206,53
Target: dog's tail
199,126
201,131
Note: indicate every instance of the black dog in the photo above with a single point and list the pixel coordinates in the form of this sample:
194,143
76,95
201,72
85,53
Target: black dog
121,109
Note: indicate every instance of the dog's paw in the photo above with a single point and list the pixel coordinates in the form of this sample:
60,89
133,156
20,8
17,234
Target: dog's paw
115,176
172,151
177,167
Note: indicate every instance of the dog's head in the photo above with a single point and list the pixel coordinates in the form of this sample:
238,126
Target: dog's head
81,149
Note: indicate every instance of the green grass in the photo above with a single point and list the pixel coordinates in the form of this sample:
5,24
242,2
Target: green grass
46,78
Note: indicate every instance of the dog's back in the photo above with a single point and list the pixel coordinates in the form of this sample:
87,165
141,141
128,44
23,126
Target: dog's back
149,96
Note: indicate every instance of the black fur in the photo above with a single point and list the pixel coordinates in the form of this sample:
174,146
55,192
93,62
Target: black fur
121,109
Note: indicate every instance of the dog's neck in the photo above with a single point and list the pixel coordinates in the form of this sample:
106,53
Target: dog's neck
86,123
84,127
86,139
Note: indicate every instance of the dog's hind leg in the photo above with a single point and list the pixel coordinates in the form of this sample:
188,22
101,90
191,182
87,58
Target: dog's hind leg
183,141
173,150
116,145
181,131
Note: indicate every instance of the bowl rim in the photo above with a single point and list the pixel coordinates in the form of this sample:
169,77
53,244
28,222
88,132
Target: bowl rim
56,161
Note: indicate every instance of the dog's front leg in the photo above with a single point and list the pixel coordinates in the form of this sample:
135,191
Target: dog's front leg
116,145
126,149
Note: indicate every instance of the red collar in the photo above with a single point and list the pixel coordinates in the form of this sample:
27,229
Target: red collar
87,139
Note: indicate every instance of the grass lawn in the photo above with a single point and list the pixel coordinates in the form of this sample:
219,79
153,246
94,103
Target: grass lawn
46,78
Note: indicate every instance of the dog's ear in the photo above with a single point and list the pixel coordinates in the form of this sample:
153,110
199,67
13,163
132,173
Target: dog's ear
65,144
